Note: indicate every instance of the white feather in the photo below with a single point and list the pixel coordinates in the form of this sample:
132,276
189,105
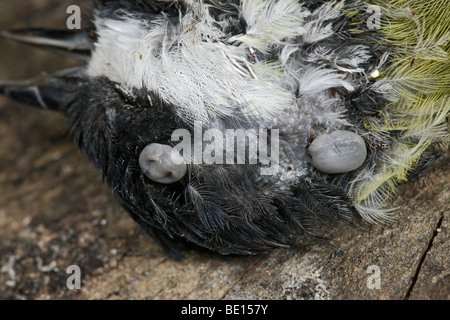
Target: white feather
270,22
192,64
312,82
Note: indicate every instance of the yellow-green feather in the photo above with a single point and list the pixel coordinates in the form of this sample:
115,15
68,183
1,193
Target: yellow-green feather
417,34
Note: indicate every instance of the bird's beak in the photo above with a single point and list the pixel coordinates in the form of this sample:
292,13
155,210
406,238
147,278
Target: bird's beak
48,92
76,44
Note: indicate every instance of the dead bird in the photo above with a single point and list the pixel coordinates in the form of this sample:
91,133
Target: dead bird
241,126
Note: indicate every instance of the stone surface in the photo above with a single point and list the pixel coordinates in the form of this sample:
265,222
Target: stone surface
56,212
